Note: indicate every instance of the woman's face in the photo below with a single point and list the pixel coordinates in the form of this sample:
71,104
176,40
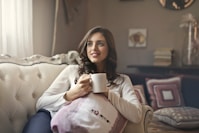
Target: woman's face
97,49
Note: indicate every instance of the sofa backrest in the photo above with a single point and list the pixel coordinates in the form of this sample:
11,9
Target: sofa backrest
22,82
20,87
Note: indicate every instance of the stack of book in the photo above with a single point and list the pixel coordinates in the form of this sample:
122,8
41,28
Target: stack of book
163,57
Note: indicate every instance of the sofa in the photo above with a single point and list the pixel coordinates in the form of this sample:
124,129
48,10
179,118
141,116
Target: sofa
180,113
22,82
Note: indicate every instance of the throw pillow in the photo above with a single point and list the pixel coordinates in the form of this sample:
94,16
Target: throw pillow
165,92
139,91
90,114
179,117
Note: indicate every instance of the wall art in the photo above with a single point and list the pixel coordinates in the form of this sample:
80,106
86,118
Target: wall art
137,38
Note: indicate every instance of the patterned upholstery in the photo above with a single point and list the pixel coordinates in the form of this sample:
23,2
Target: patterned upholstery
179,117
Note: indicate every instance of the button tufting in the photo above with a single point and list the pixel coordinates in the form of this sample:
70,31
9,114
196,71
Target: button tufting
17,97
39,75
34,95
1,75
2,78
21,76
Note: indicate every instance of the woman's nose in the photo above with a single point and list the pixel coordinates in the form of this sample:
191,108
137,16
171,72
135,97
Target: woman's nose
94,46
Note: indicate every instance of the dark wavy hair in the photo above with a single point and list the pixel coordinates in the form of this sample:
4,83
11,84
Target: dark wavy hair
110,62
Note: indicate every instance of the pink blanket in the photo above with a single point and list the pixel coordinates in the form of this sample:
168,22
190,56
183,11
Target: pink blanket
91,114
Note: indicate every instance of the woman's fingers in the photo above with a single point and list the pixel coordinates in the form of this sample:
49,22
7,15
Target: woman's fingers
84,84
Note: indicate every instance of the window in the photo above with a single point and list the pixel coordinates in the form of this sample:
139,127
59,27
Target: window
16,28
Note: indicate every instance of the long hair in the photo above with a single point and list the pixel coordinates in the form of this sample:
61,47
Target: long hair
111,60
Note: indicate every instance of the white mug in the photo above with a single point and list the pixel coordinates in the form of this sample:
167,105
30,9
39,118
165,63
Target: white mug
99,82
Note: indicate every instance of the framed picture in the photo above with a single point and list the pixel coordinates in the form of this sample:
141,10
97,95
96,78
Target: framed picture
137,38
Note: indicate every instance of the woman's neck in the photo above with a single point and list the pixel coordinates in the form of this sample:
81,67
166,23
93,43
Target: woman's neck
100,68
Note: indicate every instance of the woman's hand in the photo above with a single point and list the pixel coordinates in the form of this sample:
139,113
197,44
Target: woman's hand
82,88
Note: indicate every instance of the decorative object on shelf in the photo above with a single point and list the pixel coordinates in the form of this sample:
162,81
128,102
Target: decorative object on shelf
163,56
190,51
137,38
176,4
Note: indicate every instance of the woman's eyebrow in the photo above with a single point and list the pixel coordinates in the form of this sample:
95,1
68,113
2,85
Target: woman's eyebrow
101,41
97,41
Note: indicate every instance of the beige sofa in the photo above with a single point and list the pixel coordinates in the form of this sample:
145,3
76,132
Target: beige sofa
22,81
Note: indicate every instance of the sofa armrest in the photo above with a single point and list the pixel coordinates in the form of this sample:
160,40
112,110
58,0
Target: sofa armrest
142,126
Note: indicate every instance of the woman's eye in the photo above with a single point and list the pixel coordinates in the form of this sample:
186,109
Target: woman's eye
89,44
100,43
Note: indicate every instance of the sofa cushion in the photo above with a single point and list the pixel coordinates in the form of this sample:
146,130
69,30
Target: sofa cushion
139,91
179,117
165,92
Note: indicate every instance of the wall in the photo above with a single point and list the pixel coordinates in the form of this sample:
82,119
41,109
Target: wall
43,21
69,33
68,36
162,27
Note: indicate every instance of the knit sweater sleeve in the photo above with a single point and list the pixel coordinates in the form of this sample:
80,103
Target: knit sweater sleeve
52,99
123,97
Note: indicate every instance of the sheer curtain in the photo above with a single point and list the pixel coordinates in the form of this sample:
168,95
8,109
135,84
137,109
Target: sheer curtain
16,27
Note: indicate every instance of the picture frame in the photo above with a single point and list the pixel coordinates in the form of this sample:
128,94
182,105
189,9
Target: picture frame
137,37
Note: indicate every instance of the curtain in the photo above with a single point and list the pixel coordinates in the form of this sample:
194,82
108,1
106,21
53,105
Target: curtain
69,23
16,38
65,9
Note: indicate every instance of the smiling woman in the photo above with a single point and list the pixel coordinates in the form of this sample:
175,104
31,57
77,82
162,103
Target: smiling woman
176,4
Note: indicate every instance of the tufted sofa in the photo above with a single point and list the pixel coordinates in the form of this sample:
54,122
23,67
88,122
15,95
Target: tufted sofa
22,82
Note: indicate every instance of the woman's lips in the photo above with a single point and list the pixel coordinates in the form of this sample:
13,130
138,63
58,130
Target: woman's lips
94,54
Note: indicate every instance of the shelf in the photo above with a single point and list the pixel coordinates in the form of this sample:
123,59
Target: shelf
191,70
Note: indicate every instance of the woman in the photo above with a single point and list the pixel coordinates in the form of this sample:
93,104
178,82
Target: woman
98,54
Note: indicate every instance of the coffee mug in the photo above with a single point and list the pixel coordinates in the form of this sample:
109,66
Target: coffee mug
99,82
